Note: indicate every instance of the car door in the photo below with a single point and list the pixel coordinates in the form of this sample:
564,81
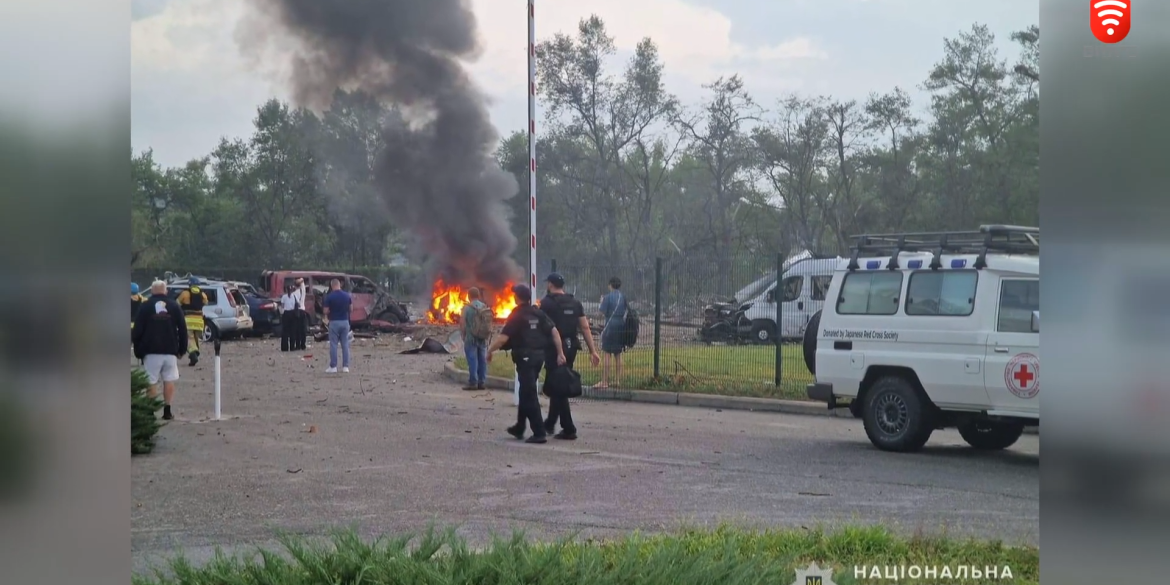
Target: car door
365,295
240,303
793,310
818,290
1012,369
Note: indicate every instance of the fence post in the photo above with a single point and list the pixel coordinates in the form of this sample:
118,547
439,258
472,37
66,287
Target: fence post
657,318
777,333
554,265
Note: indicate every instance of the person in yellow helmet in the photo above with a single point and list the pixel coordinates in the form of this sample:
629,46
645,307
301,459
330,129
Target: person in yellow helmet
192,302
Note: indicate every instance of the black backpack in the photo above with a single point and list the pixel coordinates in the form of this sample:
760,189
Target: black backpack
563,315
630,328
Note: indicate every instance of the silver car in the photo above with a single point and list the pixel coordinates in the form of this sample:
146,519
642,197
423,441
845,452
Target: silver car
226,312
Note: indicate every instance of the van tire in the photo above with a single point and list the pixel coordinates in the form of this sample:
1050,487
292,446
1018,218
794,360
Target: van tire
810,342
763,332
990,436
896,416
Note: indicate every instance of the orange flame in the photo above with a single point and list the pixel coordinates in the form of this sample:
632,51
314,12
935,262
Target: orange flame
448,301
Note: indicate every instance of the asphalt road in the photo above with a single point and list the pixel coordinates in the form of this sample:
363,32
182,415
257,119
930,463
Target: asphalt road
393,447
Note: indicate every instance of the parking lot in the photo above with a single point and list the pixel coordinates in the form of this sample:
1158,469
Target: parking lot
393,446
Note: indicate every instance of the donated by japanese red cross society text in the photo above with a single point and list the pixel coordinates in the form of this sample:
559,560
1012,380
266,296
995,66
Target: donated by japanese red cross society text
866,334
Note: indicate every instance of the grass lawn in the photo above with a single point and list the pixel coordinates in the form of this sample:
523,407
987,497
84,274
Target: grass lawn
739,370
723,556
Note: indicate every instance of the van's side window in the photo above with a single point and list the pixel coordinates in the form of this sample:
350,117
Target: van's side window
870,293
1017,300
792,286
948,293
820,287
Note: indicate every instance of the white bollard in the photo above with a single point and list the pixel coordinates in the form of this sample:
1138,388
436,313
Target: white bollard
217,384
516,392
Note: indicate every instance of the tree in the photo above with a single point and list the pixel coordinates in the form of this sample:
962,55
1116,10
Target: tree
791,150
348,143
272,176
890,163
843,207
607,116
719,144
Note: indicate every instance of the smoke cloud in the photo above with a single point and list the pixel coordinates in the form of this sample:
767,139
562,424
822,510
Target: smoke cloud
437,175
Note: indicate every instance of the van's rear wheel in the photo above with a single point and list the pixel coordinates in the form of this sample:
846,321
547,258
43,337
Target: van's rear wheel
991,436
810,342
896,417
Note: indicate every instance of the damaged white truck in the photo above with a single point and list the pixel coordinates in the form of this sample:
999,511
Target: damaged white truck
925,331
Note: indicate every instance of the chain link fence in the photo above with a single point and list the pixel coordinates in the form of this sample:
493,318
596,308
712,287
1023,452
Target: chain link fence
708,326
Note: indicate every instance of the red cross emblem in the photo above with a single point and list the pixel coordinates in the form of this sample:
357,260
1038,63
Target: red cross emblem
1022,375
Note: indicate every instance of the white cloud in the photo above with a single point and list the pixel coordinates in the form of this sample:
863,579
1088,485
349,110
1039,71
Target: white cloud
187,36
693,41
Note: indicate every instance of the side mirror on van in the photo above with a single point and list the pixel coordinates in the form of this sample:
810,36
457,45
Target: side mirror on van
1035,321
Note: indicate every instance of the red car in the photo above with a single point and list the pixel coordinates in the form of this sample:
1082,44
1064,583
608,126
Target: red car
370,301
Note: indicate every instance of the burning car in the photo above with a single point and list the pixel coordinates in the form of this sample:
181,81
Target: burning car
449,300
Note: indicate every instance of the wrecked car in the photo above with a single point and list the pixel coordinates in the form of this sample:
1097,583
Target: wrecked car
370,301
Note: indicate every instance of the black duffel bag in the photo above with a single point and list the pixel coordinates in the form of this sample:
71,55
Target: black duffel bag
562,382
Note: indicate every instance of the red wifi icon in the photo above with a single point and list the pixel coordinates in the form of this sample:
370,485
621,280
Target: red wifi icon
1109,19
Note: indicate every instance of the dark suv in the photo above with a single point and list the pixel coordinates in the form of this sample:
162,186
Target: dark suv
265,311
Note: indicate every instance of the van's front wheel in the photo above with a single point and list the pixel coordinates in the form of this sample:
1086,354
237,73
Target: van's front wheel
763,331
896,417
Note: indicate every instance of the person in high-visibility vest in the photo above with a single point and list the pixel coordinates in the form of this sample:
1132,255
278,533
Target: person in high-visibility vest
192,302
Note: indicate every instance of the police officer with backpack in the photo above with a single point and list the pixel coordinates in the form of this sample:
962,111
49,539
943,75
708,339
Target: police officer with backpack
568,315
528,334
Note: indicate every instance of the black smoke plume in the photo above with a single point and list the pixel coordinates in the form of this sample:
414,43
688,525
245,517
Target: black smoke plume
437,174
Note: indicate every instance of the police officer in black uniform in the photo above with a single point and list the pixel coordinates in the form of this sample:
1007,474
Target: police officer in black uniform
569,317
528,334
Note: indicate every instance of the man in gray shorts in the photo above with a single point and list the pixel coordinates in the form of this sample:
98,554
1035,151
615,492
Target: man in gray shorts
160,338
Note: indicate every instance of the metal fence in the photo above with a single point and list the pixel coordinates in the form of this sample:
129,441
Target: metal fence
707,326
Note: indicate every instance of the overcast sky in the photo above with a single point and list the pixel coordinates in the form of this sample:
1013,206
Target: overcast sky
190,86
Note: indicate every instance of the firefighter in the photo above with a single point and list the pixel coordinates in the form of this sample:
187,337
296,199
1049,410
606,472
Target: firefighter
192,302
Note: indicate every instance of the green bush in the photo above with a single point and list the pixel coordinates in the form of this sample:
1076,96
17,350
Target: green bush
723,556
144,421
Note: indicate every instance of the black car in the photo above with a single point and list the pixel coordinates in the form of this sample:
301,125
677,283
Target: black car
265,312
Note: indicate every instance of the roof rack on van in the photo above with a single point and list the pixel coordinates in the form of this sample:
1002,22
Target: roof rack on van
1008,239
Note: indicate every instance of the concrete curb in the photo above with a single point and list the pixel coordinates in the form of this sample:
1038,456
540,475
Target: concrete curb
687,399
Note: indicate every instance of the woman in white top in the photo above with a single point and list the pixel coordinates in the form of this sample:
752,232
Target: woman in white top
288,315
